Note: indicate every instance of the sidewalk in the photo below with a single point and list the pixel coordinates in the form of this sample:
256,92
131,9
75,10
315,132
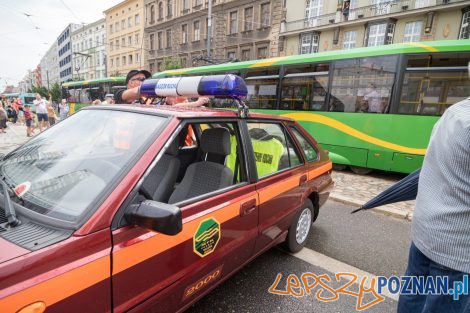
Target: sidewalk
14,137
356,190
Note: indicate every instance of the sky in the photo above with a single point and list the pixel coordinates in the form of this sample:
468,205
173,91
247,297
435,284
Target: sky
29,27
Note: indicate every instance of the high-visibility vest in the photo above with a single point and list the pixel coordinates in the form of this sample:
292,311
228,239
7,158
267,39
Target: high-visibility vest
267,155
232,157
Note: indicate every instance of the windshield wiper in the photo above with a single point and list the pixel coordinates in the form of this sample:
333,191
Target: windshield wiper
9,208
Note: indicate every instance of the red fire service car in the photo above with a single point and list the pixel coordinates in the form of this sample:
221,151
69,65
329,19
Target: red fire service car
135,208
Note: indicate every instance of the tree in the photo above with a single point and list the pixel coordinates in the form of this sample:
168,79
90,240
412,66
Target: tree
40,90
56,92
171,63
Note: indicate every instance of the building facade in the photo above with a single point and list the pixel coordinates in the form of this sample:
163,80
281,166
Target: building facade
241,30
50,67
89,51
125,28
64,52
313,26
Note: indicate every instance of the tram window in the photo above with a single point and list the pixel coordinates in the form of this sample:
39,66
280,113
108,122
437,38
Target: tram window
304,87
262,88
432,83
363,85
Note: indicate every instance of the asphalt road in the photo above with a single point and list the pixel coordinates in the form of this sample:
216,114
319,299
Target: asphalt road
367,241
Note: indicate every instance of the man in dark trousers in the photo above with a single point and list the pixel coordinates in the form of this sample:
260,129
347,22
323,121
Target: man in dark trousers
133,81
441,220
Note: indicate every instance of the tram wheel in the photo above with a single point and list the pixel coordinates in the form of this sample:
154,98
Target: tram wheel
339,167
360,170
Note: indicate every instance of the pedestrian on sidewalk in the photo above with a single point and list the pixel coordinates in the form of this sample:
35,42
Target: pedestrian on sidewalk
63,109
41,111
51,113
28,116
441,220
3,119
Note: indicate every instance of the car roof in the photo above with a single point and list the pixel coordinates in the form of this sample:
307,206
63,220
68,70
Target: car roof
186,112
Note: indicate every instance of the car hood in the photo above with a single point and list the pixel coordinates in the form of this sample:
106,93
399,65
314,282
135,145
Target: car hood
10,251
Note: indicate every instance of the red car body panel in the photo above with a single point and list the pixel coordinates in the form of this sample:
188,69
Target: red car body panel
132,268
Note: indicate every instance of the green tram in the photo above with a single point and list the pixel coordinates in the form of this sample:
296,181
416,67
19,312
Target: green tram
82,93
371,108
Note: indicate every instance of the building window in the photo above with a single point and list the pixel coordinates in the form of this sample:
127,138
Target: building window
112,62
111,29
379,34
152,39
91,43
137,58
309,43
169,8
137,18
233,22
116,26
185,5
184,33
124,60
231,55
136,36
130,58
197,3
123,42
196,29
313,11
413,31
160,40
421,3
151,67
168,38
117,61
265,14
129,21
116,44
382,6
160,10
246,55
248,19
123,24
262,53
129,41
349,41
464,26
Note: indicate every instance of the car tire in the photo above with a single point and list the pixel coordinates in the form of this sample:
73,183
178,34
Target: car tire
300,228
360,170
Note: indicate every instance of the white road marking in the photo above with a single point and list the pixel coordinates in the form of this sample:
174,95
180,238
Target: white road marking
335,266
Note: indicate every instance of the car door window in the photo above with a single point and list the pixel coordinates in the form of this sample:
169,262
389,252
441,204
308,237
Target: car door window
309,151
273,151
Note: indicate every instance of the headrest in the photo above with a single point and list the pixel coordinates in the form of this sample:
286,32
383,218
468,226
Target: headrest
259,134
216,141
174,147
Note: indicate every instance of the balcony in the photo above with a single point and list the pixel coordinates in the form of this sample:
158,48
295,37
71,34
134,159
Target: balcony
384,9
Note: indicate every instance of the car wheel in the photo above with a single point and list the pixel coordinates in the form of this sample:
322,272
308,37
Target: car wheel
339,167
300,228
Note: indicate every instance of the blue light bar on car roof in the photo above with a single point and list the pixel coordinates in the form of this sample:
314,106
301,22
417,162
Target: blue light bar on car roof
225,86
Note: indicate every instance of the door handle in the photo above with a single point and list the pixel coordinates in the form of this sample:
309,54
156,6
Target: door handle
302,180
248,207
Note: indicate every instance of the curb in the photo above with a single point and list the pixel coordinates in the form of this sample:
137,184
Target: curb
382,210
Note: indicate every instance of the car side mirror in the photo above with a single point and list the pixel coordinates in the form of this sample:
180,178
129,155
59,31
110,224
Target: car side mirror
157,216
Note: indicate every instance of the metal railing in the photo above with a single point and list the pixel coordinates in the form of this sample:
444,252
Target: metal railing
352,14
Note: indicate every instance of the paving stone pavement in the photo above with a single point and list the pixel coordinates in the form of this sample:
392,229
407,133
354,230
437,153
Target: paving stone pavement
356,190
15,136
349,188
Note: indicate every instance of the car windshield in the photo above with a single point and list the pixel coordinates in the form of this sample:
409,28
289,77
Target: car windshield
64,171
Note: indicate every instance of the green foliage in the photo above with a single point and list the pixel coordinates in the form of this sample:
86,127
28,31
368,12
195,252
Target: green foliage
171,63
56,92
41,90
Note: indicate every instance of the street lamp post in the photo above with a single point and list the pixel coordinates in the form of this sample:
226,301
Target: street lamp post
209,28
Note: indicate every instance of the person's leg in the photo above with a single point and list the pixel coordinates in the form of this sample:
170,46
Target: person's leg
418,265
40,121
446,303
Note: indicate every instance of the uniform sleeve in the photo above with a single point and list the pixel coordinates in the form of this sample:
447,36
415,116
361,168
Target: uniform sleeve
118,97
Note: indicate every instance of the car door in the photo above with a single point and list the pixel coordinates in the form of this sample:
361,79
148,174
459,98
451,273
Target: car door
281,176
165,273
